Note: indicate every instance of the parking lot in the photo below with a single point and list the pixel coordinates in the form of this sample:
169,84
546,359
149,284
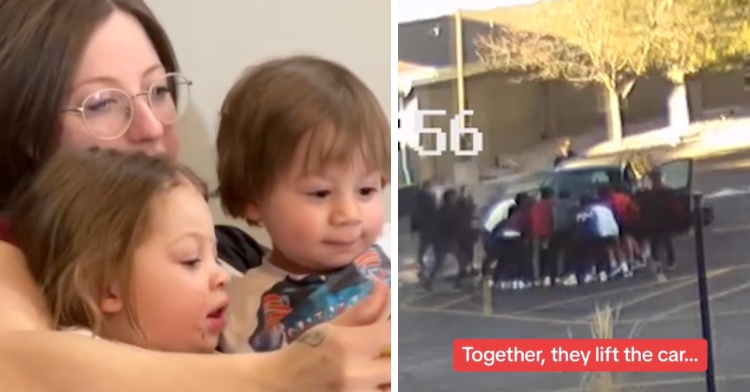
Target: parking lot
429,322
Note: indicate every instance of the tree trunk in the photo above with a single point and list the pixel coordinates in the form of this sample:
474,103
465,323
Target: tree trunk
695,98
677,106
614,116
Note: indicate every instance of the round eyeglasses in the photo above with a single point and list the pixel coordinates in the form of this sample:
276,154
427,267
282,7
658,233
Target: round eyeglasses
108,113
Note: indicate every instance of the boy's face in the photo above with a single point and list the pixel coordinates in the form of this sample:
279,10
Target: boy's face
177,287
323,219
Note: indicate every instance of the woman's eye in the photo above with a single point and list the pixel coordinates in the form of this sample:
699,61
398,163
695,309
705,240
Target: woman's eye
368,191
99,106
160,90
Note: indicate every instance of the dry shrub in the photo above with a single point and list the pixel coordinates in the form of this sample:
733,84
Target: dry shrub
603,325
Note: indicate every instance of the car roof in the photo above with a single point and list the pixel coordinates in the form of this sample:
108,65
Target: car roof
613,161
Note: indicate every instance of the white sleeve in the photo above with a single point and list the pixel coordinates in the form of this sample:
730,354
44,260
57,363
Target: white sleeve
385,240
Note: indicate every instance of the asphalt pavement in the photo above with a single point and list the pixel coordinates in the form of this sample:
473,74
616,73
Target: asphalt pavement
429,322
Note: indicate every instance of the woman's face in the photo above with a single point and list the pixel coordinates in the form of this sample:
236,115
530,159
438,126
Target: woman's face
119,55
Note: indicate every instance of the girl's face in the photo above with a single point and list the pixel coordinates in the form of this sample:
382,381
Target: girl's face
119,55
177,288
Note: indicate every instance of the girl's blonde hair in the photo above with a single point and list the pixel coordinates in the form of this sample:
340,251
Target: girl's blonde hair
81,220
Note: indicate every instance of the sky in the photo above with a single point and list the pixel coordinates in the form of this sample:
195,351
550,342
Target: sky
409,10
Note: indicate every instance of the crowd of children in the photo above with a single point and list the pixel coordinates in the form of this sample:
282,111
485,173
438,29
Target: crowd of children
604,234
555,238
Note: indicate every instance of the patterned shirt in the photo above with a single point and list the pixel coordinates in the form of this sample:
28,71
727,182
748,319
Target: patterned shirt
270,308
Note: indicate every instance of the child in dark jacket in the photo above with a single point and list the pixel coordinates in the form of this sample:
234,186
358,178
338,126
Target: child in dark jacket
662,214
563,244
467,232
422,218
445,236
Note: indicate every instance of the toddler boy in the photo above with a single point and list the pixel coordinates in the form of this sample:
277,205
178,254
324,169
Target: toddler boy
303,151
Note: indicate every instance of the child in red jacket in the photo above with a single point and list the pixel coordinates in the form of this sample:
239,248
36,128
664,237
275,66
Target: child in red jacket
541,230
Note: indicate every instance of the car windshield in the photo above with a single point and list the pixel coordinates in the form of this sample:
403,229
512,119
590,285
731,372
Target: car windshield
581,181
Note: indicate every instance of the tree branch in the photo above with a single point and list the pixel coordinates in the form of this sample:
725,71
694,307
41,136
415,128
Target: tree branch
582,41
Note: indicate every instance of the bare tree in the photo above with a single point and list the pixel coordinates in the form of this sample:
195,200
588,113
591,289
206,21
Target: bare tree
601,42
690,36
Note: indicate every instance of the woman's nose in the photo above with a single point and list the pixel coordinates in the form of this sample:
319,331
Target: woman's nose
145,127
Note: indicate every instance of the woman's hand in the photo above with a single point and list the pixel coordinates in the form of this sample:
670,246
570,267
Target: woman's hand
343,355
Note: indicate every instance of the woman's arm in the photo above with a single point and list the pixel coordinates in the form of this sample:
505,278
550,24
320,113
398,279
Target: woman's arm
22,306
35,358
47,361
341,357
326,359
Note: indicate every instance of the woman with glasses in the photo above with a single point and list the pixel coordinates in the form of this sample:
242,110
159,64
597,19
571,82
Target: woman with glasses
102,73
107,114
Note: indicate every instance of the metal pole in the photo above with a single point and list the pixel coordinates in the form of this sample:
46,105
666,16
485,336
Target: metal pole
700,257
459,47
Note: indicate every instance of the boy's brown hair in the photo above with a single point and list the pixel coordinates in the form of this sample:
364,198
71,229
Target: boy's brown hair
81,220
282,104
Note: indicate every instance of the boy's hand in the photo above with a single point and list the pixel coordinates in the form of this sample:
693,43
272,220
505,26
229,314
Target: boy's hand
343,355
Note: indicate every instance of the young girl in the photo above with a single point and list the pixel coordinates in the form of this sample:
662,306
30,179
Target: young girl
124,248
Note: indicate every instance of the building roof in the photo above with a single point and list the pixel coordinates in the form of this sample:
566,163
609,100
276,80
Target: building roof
430,42
410,75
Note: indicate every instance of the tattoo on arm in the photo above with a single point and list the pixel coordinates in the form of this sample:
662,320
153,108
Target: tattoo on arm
313,338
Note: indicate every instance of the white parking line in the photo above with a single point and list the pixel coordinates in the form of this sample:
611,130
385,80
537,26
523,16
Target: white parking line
728,192
686,306
729,229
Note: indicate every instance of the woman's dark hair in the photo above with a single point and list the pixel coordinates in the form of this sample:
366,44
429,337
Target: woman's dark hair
41,44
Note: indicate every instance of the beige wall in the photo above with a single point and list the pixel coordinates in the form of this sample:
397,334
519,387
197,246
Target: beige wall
215,40
514,116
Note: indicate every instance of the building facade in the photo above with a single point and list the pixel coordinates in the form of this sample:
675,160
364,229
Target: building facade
514,116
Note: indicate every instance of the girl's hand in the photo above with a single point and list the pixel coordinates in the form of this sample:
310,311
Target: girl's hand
344,355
